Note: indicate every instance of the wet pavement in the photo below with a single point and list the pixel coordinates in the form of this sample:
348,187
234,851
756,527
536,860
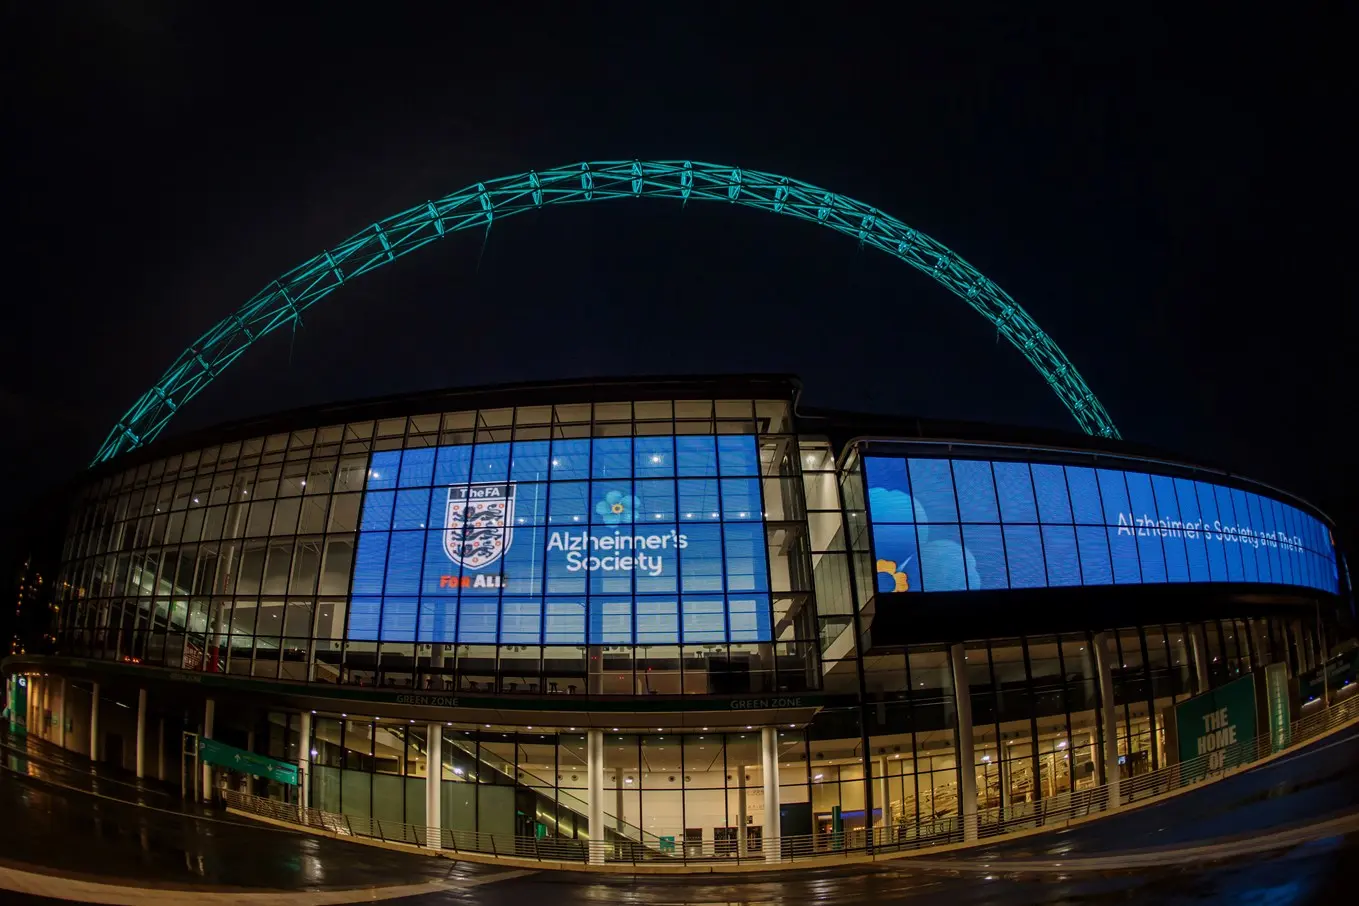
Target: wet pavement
64,820
71,829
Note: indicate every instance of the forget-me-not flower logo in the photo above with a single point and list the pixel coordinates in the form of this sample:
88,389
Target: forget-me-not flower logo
616,507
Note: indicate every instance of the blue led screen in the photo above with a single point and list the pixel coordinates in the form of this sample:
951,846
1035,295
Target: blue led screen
603,541
959,524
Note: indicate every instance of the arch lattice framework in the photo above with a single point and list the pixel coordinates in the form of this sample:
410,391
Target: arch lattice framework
283,301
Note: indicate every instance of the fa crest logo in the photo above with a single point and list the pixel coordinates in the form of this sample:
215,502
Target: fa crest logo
480,523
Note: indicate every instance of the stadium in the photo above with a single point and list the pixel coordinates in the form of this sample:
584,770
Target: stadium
680,617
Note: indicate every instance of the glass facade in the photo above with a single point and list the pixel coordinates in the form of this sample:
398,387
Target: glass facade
1036,736
654,547
655,540
966,524
693,549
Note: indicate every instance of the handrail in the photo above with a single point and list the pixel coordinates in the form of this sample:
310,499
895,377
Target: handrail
1052,811
618,824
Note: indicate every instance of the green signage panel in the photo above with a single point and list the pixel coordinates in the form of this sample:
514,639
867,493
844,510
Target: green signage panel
223,755
1339,672
1219,724
1280,714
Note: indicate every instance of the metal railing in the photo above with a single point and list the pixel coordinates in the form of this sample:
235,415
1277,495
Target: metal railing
1053,811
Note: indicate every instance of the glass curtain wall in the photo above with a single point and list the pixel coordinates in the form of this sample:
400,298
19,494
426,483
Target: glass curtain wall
238,558
699,788
1036,736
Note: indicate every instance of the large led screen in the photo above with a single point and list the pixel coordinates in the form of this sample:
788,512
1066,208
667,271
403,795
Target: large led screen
961,524
603,541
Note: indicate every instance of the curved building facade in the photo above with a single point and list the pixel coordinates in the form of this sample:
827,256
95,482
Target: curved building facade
682,613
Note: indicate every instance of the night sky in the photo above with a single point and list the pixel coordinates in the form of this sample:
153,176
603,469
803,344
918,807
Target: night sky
1167,197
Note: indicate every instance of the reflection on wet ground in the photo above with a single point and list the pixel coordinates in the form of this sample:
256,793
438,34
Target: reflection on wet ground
70,831
158,844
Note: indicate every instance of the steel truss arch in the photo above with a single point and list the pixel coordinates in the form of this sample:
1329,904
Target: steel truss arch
282,301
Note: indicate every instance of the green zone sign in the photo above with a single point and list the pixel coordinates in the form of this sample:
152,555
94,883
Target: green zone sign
223,755
1219,725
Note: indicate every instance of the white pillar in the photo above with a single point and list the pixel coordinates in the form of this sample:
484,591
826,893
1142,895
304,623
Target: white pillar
250,747
769,750
1108,715
967,756
209,713
61,713
141,734
1199,649
594,754
742,811
434,835
304,763
94,723
883,795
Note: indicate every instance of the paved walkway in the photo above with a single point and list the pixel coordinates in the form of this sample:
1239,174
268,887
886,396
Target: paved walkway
75,834
92,825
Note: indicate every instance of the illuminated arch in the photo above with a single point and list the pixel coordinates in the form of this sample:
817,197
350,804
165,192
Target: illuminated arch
479,206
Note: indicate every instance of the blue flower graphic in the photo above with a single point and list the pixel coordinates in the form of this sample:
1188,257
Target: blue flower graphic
616,507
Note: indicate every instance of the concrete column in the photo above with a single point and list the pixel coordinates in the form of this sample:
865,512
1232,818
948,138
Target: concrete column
967,756
1003,778
1108,714
742,812
594,754
1199,649
434,835
41,688
94,722
304,763
61,713
160,750
209,714
769,752
250,747
883,797
141,734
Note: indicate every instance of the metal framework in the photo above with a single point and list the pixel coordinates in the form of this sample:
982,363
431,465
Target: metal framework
282,302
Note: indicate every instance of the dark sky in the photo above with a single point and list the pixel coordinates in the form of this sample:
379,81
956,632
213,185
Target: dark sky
1167,197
